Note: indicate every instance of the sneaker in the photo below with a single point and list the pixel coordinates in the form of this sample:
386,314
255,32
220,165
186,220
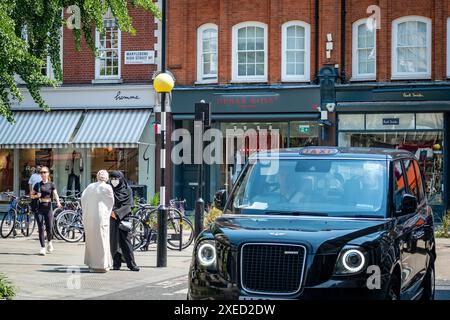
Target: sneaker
42,252
50,247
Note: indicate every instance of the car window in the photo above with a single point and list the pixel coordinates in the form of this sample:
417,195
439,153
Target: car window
411,177
419,182
399,185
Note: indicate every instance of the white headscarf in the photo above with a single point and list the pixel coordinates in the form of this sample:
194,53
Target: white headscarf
102,175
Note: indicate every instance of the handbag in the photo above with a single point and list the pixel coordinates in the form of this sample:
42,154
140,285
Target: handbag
125,225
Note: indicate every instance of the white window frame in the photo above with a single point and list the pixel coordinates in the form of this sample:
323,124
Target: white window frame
356,76
410,75
200,75
448,47
248,79
295,78
97,60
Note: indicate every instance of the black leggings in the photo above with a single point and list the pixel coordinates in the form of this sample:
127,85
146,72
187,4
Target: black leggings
45,215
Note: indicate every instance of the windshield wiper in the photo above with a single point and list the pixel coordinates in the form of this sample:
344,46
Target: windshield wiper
297,213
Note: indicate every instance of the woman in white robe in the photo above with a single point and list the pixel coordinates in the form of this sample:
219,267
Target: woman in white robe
97,202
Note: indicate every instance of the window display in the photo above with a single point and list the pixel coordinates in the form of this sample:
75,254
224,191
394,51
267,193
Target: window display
6,170
110,159
425,140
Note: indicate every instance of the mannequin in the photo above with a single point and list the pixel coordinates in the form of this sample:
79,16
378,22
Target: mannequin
75,166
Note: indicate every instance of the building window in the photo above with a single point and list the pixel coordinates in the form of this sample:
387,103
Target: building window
364,51
411,48
207,53
295,51
250,52
107,64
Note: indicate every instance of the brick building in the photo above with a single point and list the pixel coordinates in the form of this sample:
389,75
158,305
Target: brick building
102,114
258,63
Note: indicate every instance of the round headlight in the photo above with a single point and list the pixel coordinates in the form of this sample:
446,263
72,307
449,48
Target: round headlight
353,260
206,254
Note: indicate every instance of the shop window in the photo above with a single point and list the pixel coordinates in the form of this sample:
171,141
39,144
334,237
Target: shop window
399,185
429,121
6,170
351,121
390,121
207,53
295,51
250,52
364,51
111,159
411,48
303,134
107,64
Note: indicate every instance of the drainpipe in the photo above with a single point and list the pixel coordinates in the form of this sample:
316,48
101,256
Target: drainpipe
316,41
343,14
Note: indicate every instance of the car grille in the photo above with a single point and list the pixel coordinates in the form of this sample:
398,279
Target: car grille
272,268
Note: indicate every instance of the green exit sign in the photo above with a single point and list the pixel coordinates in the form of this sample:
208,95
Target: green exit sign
303,128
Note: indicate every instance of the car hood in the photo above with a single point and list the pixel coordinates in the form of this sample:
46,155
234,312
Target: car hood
323,235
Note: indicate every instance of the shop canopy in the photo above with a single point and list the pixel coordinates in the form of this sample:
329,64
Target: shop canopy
112,129
38,129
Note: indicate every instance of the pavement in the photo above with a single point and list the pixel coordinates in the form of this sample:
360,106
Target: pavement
62,275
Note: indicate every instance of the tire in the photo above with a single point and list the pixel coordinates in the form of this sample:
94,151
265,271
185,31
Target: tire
429,284
393,288
8,223
137,233
56,213
173,233
28,225
70,226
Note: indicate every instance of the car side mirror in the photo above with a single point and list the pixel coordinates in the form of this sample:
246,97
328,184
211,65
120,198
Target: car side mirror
409,204
220,197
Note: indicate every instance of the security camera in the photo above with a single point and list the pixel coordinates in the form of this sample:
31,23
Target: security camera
331,107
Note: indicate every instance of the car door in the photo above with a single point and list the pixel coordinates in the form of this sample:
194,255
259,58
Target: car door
403,226
415,222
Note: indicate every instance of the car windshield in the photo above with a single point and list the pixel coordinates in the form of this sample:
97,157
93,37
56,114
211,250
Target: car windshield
328,187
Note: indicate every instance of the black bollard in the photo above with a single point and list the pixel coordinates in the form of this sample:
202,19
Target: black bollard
199,210
162,237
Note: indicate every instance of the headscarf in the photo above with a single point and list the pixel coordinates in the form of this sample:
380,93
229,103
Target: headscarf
122,193
102,175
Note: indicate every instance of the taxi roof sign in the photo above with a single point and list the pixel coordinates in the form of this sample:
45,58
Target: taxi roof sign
319,151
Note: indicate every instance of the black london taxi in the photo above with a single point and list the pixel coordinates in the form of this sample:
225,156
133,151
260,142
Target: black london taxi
317,223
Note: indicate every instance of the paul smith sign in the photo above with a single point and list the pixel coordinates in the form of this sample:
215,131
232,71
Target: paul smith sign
412,95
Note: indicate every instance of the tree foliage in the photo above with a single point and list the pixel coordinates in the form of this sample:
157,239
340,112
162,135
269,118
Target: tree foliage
30,31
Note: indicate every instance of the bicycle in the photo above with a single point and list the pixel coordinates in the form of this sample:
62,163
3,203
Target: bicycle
19,216
180,231
67,203
69,224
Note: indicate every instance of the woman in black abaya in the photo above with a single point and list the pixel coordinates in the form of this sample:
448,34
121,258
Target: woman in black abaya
120,238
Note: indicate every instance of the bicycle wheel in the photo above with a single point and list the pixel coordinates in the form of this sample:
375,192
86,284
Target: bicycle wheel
56,213
69,226
180,231
28,224
137,233
8,223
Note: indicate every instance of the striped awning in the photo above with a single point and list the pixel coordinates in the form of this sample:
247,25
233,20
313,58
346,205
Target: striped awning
38,129
112,129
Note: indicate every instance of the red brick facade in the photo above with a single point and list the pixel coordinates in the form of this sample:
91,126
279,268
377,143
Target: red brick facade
185,16
79,66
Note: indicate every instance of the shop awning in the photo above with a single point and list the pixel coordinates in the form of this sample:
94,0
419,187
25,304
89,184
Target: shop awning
39,129
112,129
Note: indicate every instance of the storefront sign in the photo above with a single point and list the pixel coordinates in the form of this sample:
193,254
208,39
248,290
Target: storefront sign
246,101
140,57
119,96
412,95
391,121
